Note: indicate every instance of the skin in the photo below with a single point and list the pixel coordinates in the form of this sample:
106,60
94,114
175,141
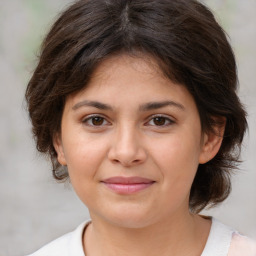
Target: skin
129,136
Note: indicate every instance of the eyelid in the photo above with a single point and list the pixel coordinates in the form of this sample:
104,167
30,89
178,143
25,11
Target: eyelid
90,117
168,118
106,122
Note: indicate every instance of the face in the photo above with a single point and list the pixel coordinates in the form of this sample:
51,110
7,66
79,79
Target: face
132,142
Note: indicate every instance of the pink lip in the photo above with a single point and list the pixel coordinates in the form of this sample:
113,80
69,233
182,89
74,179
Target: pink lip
127,185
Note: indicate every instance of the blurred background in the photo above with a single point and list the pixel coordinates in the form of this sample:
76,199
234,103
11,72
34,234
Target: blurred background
34,209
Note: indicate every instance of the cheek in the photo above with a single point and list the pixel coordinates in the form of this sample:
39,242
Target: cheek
177,157
84,159
83,155
177,161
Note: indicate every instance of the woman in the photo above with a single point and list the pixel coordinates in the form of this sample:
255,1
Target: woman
137,101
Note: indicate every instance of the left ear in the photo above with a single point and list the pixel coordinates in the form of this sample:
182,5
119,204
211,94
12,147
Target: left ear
212,141
57,143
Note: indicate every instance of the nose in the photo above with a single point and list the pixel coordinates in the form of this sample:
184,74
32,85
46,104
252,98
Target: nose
127,147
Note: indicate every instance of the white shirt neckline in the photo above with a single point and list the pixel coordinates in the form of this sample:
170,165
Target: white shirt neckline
218,241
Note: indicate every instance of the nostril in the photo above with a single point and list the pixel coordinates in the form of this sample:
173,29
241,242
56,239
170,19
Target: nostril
126,163
126,154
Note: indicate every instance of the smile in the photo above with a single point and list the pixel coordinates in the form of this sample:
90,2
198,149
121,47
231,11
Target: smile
127,185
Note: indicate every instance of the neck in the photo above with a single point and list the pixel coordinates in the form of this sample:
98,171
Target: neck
184,235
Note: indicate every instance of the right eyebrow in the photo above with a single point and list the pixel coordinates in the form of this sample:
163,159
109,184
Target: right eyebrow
94,104
161,104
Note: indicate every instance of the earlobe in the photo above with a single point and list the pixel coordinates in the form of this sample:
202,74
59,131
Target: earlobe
57,143
211,143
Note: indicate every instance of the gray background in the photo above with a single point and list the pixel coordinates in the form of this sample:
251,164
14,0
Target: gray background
34,208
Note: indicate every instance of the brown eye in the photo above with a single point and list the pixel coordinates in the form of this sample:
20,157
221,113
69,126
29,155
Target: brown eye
159,121
97,120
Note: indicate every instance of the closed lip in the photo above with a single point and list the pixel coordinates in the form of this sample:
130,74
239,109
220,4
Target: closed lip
127,180
127,185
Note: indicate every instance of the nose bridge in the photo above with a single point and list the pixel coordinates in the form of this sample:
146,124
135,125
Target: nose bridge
127,148
126,137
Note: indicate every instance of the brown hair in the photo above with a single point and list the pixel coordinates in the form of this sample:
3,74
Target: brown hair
190,47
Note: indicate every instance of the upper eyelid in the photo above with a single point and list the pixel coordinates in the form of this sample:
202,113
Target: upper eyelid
170,121
94,115
88,117
162,115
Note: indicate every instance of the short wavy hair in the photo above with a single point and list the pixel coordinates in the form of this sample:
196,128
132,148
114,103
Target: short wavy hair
191,49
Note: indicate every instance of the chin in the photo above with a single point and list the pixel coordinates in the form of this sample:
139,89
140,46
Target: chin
130,218
131,223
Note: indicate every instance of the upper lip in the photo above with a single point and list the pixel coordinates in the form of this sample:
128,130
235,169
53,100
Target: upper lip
127,180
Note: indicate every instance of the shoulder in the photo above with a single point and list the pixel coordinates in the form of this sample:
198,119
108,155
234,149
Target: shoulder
219,239
242,245
57,247
226,241
66,245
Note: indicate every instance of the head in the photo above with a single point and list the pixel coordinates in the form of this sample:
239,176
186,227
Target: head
188,46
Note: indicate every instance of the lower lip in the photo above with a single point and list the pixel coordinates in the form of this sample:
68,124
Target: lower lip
128,188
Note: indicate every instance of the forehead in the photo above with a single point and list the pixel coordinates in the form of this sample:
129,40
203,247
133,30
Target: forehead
131,80
143,65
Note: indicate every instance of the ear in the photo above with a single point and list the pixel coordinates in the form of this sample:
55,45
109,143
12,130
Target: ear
57,143
212,141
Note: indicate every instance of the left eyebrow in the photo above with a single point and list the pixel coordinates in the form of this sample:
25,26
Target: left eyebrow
156,105
95,104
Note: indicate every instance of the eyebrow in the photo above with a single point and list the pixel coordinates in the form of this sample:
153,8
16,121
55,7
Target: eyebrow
144,107
94,104
160,104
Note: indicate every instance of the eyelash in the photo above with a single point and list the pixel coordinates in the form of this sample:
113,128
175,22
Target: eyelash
88,121
165,119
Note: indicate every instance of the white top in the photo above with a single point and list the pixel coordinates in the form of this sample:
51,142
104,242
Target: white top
222,241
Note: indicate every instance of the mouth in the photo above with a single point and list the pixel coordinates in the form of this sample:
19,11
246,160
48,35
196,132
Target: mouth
127,185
